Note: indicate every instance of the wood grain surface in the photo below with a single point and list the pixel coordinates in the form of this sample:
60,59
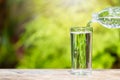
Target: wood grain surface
57,74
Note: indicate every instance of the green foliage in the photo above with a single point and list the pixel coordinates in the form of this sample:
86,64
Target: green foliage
44,45
8,57
105,46
46,40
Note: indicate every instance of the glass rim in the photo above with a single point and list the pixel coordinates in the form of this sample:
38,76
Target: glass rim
81,29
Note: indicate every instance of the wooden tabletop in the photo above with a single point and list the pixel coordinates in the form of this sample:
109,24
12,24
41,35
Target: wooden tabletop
56,74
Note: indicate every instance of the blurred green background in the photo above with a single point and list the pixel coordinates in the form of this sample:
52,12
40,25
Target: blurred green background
36,34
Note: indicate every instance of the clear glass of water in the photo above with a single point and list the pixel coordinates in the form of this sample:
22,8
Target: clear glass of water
81,50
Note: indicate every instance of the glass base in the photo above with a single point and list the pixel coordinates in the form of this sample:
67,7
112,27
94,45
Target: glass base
81,71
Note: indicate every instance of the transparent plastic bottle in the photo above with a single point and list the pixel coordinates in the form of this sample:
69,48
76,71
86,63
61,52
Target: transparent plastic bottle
108,17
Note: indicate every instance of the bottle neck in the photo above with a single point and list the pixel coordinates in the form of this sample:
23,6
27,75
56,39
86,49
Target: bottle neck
95,17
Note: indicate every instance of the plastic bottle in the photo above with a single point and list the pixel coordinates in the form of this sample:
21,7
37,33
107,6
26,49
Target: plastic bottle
109,17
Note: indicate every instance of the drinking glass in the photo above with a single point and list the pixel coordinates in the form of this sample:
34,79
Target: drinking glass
81,50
